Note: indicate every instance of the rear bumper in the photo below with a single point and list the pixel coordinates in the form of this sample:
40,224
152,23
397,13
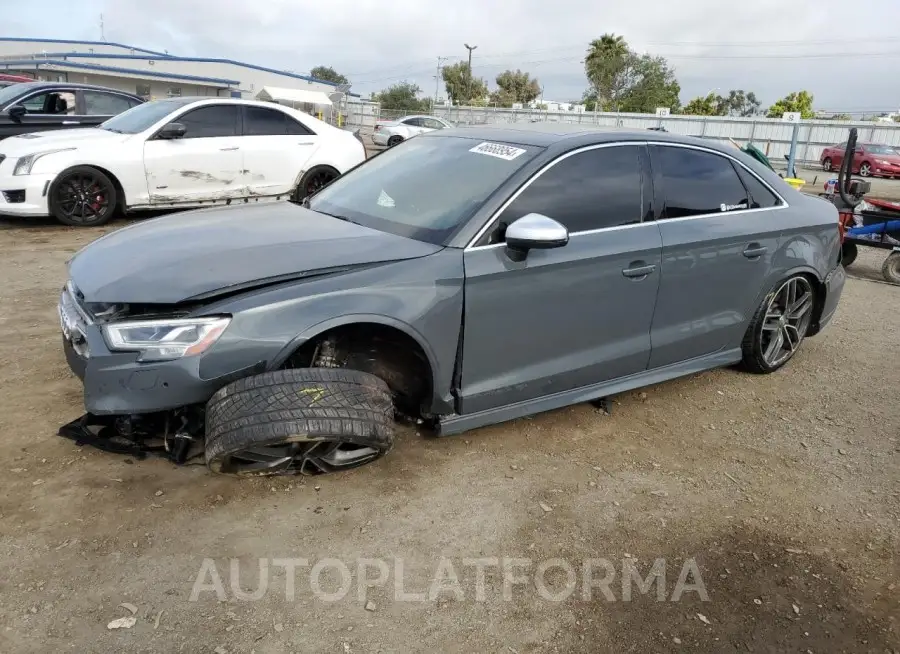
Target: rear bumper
379,138
834,286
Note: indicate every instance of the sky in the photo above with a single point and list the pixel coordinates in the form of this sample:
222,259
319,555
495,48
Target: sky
770,47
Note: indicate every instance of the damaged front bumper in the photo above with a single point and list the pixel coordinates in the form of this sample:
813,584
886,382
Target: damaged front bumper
117,383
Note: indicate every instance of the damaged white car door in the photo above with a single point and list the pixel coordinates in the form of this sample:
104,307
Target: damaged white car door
205,163
276,149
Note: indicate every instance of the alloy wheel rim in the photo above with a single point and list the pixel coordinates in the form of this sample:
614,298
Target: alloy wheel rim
318,182
787,320
304,458
864,170
82,198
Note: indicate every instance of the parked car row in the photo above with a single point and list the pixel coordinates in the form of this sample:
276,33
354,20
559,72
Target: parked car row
166,154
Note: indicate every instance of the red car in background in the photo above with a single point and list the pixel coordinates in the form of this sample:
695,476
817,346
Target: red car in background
871,159
8,80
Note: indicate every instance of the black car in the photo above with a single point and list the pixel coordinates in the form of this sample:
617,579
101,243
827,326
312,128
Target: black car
39,106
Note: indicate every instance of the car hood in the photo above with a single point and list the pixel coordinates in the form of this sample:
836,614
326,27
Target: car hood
188,256
22,144
893,159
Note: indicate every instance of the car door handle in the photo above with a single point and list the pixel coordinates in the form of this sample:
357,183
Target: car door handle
755,251
304,143
71,122
638,270
229,149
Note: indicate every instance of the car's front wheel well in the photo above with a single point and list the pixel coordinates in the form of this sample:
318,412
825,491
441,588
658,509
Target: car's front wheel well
820,291
381,350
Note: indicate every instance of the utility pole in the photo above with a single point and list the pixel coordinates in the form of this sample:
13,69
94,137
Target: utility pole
437,81
469,80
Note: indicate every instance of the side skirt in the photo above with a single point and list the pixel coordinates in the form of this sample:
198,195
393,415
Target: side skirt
455,424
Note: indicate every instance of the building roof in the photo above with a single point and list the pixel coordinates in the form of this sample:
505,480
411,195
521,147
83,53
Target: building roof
159,55
16,39
207,60
62,63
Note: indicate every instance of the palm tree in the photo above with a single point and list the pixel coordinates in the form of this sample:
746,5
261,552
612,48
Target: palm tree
604,64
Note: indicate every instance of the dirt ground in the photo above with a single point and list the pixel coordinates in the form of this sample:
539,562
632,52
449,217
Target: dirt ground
784,490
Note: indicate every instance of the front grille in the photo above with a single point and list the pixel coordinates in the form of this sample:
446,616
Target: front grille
14,197
73,322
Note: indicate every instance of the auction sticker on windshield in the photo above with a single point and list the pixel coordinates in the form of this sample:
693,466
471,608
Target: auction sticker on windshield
498,150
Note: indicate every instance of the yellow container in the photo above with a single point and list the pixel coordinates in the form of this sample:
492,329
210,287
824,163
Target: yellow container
795,182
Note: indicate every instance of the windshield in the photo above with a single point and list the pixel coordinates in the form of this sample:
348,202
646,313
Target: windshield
425,188
143,116
10,93
881,149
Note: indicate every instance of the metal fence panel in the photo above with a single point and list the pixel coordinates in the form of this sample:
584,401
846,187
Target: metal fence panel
771,135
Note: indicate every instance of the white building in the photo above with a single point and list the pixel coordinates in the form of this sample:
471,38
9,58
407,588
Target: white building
154,75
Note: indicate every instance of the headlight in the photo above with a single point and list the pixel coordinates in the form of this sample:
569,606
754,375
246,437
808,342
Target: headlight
26,163
162,340
883,162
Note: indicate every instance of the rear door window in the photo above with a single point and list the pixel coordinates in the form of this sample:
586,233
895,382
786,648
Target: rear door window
698,182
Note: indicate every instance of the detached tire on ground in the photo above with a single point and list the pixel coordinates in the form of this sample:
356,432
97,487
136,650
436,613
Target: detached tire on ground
299,421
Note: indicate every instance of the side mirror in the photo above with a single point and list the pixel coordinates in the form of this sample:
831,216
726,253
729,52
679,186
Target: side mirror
172,131
16,112
534,231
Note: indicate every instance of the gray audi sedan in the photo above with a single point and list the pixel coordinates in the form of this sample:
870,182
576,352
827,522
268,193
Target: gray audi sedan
466,277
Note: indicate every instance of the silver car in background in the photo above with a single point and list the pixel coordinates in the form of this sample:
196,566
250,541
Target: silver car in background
393,132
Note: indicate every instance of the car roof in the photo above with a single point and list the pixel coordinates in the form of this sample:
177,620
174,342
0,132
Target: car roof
546,134
38,86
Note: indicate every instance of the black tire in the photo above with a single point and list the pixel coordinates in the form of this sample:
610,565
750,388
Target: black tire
83,197
826,164
298,421
890,269
767,324
849,251
394,140
314,180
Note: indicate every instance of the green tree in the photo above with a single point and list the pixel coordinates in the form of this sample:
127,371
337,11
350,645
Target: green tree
403,96
328,74
462,88
515,86
606,66
711,105
739,103
650,83
622,80
800,101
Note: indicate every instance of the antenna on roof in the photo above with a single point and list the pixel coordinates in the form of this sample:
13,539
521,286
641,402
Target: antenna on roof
102,32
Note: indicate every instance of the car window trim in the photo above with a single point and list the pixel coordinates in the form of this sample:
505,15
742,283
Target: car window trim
175,114
496,215
784,203
82,96
74,91
25,98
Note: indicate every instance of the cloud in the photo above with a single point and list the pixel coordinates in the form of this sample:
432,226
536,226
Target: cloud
376,43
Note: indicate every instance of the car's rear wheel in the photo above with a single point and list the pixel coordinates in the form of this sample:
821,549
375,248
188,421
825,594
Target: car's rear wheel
890,269
779,325
82,197
394,140
865,170
314,180
299,421
826,164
